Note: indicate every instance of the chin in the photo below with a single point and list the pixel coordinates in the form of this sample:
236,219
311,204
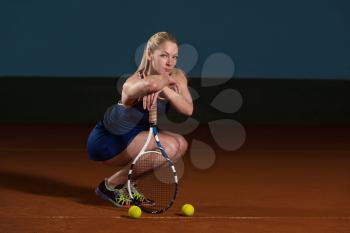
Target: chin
169,71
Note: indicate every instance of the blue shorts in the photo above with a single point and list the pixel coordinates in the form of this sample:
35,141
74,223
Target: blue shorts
102,145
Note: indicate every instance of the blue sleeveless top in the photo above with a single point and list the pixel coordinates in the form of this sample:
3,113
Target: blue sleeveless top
120,120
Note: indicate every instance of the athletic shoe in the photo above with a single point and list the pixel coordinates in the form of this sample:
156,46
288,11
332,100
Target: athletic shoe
119,197
138,197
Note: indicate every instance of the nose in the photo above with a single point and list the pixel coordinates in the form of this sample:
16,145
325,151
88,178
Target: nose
170,62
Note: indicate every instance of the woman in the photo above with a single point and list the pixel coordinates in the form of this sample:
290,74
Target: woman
119,137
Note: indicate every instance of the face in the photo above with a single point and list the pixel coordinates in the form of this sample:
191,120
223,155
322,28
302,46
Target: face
164,58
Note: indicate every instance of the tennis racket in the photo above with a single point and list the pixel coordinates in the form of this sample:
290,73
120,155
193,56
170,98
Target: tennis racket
152,179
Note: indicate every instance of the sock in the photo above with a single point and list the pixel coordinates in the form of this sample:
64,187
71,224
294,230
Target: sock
120,186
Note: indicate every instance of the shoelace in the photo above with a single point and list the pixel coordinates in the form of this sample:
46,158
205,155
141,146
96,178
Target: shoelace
138,196
122,198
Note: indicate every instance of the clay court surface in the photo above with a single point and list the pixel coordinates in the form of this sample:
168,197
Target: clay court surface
284,179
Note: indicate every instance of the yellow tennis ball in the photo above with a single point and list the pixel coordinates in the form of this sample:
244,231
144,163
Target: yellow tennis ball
134,211
187,210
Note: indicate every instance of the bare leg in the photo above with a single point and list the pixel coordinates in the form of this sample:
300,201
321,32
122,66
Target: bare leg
183,144
119,177
124,159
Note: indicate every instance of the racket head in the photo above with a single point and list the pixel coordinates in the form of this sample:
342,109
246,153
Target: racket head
153,175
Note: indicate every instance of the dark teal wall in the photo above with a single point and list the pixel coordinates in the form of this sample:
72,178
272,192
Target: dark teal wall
271,39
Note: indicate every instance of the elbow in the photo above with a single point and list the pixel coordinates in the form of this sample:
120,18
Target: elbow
151,86
126,90
126,99
189,111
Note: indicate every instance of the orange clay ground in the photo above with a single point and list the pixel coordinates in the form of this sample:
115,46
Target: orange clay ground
283,179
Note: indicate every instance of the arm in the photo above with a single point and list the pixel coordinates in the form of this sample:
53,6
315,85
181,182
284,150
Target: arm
135,87
181,100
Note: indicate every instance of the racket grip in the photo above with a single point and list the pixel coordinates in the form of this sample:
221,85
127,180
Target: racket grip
152,118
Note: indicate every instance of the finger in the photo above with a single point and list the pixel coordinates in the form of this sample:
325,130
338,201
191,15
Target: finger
149,101
155,96
177,89
144,99
146,102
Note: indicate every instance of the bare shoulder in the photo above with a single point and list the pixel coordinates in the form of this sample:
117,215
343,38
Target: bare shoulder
133,78
135,75
180,75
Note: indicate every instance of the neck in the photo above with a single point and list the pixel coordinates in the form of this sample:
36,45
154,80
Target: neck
151,71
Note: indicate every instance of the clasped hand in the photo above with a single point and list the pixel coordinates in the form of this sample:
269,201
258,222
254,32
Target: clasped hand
151,98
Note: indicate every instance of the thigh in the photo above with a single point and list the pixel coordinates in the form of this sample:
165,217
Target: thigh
181,140
175,135
134,148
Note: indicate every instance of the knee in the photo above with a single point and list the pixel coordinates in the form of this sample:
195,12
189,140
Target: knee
172,147
183,145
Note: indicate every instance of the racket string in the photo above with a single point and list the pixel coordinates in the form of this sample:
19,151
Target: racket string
154,179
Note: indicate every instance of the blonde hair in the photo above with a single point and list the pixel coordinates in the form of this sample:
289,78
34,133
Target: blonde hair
152,44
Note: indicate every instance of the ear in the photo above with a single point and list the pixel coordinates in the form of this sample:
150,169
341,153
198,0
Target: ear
149,55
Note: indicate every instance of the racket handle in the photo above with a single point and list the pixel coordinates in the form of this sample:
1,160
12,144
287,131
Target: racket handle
152,118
